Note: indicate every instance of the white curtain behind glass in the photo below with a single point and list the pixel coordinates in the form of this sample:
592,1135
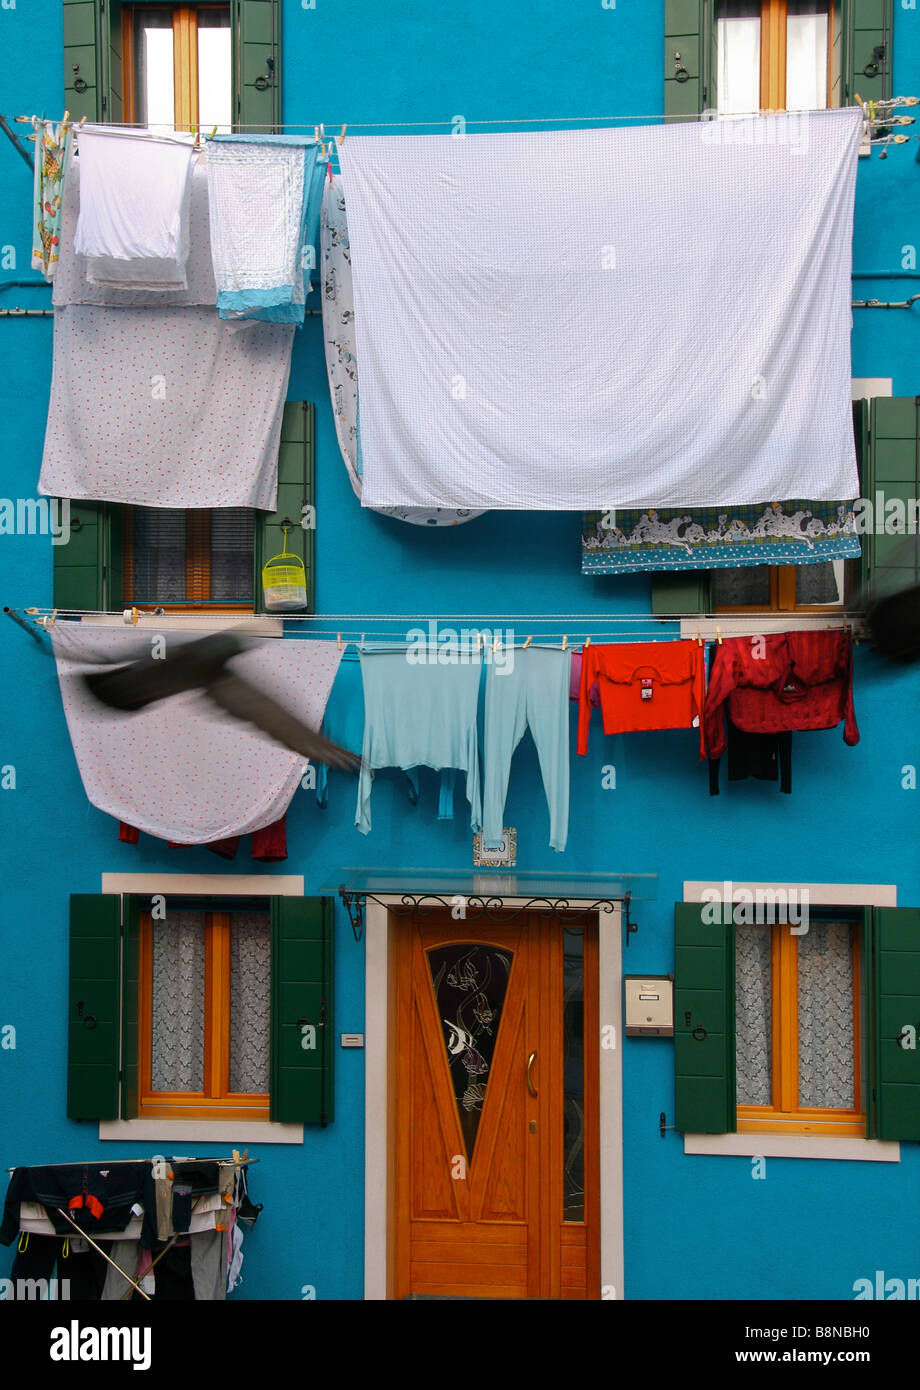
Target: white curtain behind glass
738,70
806,58
177,1052
250,1001
753,1015
826,1044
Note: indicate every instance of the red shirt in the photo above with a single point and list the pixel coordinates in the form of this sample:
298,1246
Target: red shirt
673,672
783,682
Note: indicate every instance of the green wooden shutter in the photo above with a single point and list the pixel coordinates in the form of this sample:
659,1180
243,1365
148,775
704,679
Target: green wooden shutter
92,1057
688,57
838,45
130,974
867,49
88,569
680,591
704,1021
301,1078
256,39
114,96
890,562
82,90
79,565
895,995
92,59
295,491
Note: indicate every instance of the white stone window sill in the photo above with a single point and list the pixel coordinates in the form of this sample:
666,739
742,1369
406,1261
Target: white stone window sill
823,1146
201,1131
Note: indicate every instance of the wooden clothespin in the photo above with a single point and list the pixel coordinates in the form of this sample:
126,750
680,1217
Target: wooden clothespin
527,643
478,642
338,640
342,136
213,133
495,644
719,635
587,643
565,641
699,639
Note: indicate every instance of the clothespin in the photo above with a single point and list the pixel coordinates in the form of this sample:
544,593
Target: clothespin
342,136
495,644
47,621
699,639
565,641
65,1248
478,641
213,133
338,641
587,643
527,643
719,635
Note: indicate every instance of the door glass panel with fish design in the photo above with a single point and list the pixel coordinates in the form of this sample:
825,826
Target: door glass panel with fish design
470,981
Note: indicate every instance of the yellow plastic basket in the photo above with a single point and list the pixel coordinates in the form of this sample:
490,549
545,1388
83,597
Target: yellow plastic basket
284,582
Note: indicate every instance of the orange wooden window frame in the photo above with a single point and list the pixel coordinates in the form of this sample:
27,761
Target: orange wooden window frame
786,1115
215,1099
773,17
185,61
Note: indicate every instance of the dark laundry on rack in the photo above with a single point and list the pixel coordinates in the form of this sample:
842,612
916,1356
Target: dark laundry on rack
767,757
98,1197
83,1270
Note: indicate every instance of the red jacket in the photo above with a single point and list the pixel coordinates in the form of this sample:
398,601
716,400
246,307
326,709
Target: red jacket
783,682
674,673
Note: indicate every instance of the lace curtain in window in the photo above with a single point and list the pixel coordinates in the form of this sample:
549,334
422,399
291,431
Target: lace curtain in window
826,1046
250,1001
177,1051
753,1015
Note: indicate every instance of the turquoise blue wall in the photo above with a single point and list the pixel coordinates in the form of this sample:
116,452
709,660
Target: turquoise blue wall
695,1227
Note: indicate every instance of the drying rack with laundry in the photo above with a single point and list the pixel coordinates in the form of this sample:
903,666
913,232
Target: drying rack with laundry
116,1229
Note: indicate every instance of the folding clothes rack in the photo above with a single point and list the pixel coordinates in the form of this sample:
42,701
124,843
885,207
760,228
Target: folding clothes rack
237,1161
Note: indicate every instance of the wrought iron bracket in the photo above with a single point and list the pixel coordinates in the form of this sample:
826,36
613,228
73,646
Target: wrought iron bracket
354,906
465,907
630,926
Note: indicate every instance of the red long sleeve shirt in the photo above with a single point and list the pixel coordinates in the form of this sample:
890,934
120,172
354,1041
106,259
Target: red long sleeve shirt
677,674
783,682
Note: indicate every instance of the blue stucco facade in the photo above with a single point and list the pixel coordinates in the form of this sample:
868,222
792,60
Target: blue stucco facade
694,1226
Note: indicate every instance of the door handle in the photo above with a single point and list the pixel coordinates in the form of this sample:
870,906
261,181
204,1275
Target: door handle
530,1086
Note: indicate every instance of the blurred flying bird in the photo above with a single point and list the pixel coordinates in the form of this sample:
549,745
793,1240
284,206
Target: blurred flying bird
200,665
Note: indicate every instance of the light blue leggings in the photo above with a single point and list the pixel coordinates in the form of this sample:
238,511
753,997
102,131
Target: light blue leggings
534,691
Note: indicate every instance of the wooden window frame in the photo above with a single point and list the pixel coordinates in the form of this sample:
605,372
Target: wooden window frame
785,1115
185,60
216,1101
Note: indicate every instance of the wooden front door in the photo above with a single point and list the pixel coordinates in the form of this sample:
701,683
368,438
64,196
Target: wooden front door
495,1109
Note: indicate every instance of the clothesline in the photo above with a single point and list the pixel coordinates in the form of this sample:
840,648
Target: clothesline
614,628
83,1162
883,105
